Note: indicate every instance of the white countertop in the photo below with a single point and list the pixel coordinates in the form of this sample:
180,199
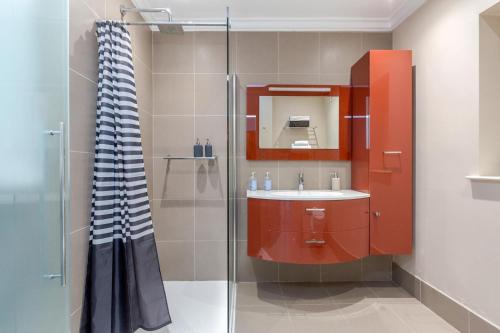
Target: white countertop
307,195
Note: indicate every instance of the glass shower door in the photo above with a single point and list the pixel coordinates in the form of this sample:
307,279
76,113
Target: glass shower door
34,95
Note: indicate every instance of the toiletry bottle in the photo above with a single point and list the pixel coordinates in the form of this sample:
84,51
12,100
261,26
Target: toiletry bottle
268,183
252,182
335,182
198,149
208,149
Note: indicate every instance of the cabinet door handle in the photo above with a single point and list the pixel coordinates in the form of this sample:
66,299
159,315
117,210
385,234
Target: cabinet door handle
377,214
315,242
315,209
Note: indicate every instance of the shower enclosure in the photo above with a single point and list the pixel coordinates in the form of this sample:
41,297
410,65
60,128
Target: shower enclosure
33,139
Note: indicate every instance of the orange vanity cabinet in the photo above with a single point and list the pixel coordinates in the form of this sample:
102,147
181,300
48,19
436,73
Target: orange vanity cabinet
382,146
308,232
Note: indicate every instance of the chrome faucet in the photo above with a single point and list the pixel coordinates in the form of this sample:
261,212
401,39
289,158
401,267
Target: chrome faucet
301,181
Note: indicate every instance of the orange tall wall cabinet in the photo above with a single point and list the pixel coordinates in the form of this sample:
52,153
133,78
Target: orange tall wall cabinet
321,232
382,143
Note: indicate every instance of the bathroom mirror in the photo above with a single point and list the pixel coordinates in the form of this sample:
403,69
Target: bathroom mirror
298,122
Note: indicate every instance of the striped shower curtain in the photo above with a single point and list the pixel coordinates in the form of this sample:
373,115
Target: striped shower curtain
124,289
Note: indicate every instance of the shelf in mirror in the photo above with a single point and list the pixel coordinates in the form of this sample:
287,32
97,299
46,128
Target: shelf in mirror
492,179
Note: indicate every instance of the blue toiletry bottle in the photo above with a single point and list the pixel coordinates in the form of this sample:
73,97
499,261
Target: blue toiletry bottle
268,183
208,149
198,149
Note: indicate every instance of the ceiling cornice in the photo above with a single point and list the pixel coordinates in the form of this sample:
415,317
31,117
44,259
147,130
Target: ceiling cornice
312,24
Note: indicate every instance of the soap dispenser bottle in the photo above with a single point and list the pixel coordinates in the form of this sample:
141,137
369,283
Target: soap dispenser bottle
208,149
198,149
268,183
252,182
335,182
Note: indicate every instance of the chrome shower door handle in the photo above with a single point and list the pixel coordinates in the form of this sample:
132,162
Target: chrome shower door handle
62,197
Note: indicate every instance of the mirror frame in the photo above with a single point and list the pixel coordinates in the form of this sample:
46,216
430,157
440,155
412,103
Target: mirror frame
254,152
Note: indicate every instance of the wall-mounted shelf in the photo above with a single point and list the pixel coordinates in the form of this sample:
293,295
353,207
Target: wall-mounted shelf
168,157
492,179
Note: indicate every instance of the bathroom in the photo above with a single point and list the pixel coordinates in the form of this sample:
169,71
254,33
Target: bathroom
199,85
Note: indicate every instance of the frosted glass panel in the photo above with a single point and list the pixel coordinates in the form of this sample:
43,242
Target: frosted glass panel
34,95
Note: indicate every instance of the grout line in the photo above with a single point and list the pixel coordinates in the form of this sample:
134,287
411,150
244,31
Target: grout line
194,164
81,75
78,230
92,9
74,312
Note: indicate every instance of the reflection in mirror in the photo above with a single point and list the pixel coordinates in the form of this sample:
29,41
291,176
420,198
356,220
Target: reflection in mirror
299,122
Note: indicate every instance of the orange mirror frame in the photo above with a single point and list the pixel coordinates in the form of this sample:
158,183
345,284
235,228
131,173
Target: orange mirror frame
254,152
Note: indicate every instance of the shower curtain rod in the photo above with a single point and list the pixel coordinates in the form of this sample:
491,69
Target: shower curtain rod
183,23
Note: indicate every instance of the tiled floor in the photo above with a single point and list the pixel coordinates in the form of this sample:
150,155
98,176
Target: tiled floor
196,307
333,308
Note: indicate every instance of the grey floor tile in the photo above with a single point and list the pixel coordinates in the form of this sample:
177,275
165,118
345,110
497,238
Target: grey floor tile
421,319
259,294
263,319
373,317
304,293
349,292
318,318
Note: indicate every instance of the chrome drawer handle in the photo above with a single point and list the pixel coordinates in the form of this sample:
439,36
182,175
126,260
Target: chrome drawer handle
315,209
393,152
315,242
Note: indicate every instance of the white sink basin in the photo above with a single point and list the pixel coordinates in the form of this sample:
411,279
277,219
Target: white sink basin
307,195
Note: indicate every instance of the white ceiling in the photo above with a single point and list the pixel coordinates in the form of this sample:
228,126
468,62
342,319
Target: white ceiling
293,15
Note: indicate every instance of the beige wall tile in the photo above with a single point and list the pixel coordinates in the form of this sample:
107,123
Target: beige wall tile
144,87
113,10
173,135
376,41
142,39
345,272
176,260
213,128
173,220
173,94
98,6
173,180
289,174
339,51
173,53
377,268
251,269
79,253
146,124
446,308
210,52
299,79
340,79
82,39
211,220
81,172
299,52
83,96
211,179
210,94
299,273
257,52
343,169
211,260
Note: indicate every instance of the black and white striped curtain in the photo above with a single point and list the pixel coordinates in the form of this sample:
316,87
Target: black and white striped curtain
124,289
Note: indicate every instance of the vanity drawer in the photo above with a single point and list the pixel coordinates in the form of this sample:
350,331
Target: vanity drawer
308,216
312,248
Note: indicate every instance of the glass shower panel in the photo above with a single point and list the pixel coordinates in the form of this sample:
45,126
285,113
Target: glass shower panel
34,95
